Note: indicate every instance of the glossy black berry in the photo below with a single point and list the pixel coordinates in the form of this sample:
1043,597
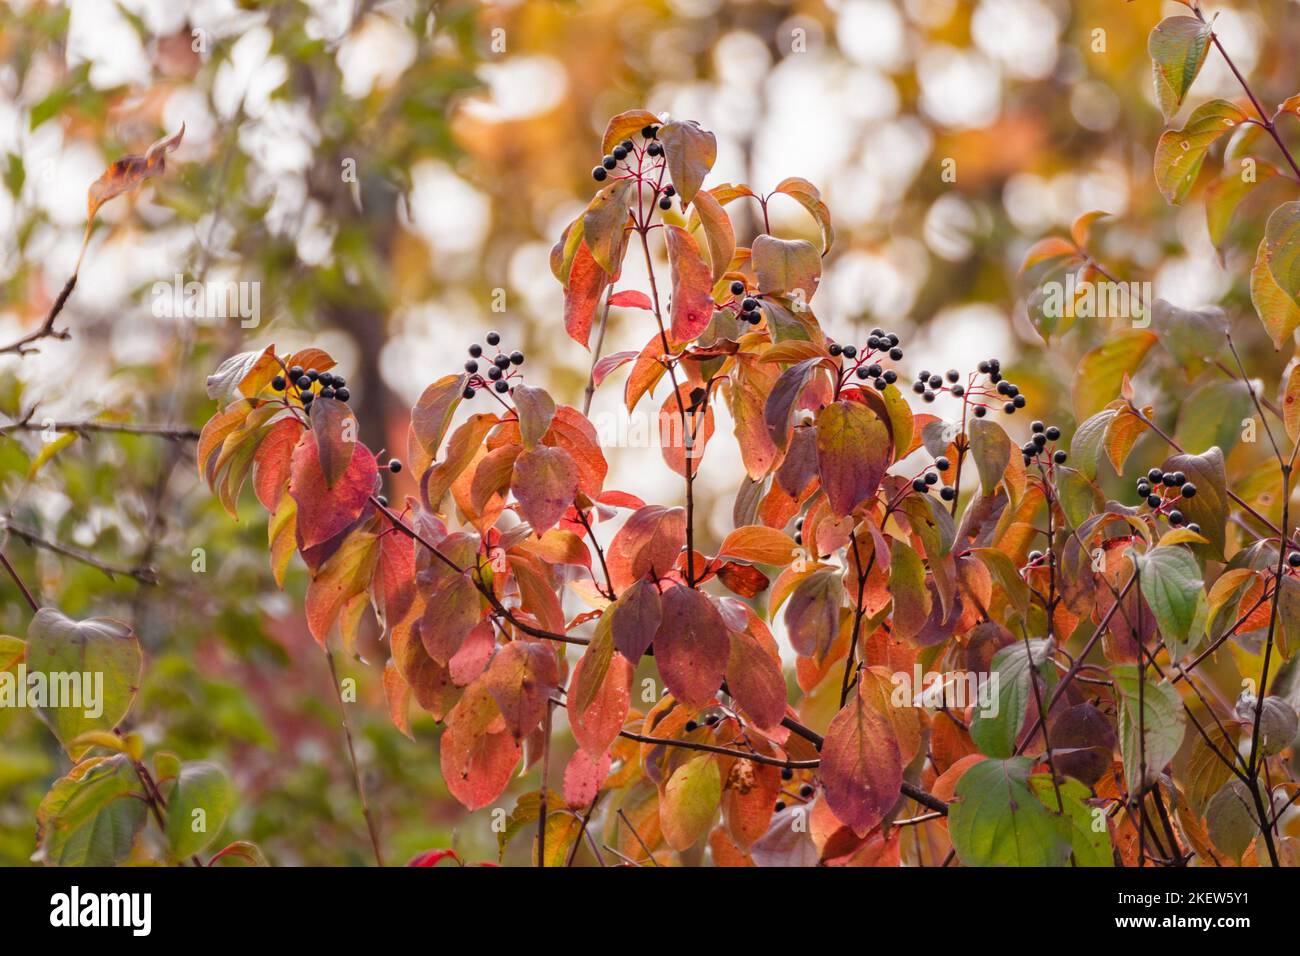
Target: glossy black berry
1188,489
468,393
502,387
920,485
1040,440
502,361
598,173
654,149
1154,475
984,367
326,379
850,351
806,791
1019,401
476,350
1143,490
895,353
918,387
670,190
665,203
835,348
619,153
306,397
327,392
980,411
627,145
1175,517
1293,559
494,338
711,719
649,132
780,805
342,394
471,366
382,500
516,357
313,374
294,373
1153,501
942,463
931,478
303,382
787,773
277,383
890,377
1009,408
494,373
394,466
1053,433
927,395
863,373
946,493
1036,427
737,287
1060,457
609,162
1194,528
749,304
691,726
957,391
339,381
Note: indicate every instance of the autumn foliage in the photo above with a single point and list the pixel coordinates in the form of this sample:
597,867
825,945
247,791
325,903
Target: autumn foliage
923,641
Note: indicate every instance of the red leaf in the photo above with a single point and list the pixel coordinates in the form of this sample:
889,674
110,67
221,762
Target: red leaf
692,280
691,646
596,725
478,753
631,299
335,429
587,281
521,679
545,481
433,857
609,363
862,767
324,511
272,460
583,776
634,619
648,543
755,680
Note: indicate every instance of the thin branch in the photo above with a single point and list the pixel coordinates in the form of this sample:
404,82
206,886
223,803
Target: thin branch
46,330
145,575
352,758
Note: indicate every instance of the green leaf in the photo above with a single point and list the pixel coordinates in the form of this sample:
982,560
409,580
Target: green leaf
1089,845
808,196
1209,508
996,820
1160,716
991,449
790,266
690,801
197,808
1212,415
92,667
1275,278
996,732
1079,498
1088,441
907,587
1180,153
1178,46
1230,819
603,225
1171,584
91,816
1101,372
1226,194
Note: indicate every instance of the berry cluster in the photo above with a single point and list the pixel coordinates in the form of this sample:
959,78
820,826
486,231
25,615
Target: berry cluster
1162,490
311,383
747,306
980,395
609,162
805,792
923,482
501,369
1037,446
865,362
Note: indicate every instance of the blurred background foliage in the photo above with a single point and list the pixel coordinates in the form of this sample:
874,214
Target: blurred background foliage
382,169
